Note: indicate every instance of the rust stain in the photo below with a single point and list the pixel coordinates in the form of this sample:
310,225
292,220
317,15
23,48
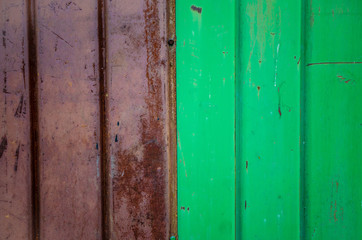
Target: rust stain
196,9
344,80
139,183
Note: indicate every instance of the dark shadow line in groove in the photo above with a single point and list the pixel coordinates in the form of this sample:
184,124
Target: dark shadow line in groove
303,88
330,63
103,121
34,117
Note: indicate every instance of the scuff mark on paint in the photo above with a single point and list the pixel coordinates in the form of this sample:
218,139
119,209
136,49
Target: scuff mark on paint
196,9
21,106
276,66
335,211
344,80
17,153
279,110
258,87
3,145
247,165
245,205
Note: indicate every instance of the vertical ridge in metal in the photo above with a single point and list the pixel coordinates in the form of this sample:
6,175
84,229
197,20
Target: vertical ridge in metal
34,116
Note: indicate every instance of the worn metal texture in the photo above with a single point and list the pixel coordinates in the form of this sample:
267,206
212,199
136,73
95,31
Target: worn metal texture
15,183
84,121
137,71
69,180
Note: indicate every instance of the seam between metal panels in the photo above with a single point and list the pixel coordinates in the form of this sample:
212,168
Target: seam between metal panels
103,120
34,117
171,117
302,120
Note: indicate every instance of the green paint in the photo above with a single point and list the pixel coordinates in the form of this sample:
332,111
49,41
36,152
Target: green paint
268,119
273,152
205,119
333,120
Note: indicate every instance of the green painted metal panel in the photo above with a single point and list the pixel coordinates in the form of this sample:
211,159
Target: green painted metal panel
268,119
206,119
333,119
294,108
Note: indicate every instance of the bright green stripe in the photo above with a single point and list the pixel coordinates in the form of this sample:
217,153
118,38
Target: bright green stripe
268,118
333,120
206,119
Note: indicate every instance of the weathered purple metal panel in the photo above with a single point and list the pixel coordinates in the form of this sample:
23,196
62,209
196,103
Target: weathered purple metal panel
69,179
15,184
83,139
137,71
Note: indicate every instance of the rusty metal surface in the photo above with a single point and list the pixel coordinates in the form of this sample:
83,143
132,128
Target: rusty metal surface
85,155
137,72
171,116
15,187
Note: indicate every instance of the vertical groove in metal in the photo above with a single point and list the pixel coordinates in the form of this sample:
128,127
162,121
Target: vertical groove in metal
237,124
172,156
302,121
34,116
103,107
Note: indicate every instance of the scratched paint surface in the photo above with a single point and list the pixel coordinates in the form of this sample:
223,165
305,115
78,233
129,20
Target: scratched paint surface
205,119
14,124
333,120
268,113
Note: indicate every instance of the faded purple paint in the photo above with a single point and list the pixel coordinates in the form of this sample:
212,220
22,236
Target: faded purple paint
15,184
70,203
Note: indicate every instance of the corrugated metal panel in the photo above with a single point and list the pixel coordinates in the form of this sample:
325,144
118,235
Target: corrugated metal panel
298,119
269,119
85,154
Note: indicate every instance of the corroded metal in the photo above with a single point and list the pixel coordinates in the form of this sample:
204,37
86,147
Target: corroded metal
85,127
137,68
